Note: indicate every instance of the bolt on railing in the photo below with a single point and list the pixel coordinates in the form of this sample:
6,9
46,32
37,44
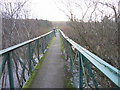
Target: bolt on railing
82,62
19,61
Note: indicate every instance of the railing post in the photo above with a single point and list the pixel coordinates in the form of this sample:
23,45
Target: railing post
9,63
71,59
38,49
66,48
80,72
45,42
43,47
90,72
29,58
47,39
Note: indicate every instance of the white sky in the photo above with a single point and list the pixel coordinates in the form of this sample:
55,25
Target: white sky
47,10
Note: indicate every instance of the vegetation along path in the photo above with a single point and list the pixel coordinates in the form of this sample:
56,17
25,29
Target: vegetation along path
51,73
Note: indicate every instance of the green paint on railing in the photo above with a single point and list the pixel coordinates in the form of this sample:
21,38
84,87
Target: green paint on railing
27,60
90,72
80,71
38,50
10,71
108,70
71,59
30,58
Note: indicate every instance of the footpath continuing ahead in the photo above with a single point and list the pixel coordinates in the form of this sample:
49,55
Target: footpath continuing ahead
51,73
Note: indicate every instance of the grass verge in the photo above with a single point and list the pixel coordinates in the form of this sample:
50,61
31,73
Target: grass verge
61,45
68,75
68,79
33,74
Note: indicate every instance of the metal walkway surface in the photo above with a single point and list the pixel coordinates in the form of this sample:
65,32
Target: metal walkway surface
51,72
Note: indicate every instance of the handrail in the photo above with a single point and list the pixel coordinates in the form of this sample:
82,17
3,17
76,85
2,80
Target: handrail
22,44
20,60
111,72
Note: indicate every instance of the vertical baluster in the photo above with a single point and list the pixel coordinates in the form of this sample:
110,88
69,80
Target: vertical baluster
9,63
80,71
38,51
84,73
71,59
66,49
90,72
43,45
45,41
64,43
29,58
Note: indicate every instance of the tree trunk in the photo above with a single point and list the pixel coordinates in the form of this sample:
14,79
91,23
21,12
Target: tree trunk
118,23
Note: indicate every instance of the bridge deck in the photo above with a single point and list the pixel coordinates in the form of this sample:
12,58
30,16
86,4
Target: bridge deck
51,73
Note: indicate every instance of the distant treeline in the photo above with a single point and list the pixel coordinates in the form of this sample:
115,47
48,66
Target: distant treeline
15,31
98,37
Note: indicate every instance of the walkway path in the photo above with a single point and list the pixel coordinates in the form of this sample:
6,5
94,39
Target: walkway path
51,73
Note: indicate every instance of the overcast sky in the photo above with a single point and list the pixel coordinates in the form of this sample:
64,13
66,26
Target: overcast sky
46,9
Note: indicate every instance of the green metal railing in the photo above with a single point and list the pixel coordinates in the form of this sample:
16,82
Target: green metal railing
84,64
19,61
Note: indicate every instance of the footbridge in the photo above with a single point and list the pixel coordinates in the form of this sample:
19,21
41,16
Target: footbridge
54,61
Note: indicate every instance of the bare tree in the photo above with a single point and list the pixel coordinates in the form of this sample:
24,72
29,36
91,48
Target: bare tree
96,29
11,11
118,39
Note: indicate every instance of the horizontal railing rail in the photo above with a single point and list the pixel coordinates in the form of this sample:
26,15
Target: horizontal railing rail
22,44
84,58
18,62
